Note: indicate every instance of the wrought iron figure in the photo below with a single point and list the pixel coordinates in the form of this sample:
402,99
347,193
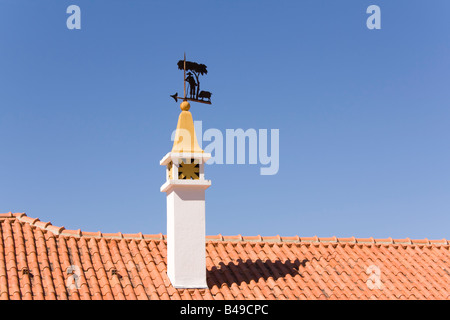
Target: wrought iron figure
192,85
194,71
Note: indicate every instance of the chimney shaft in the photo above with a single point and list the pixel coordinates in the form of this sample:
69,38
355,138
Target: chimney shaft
186,261
185,189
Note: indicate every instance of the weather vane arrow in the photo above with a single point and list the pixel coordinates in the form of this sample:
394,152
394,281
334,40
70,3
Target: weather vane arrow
194,71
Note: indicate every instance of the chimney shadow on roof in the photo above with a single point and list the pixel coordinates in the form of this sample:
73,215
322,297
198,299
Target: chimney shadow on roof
252,270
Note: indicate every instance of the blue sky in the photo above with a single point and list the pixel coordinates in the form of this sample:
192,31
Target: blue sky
364,120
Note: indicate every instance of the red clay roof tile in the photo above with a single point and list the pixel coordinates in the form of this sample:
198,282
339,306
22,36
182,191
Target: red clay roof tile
36,257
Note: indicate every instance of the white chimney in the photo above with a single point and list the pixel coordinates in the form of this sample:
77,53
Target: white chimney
185,188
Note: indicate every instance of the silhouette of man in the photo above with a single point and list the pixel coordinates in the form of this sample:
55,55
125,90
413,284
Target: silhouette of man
192,84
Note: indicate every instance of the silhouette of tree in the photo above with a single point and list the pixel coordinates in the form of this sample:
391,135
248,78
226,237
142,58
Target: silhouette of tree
196,68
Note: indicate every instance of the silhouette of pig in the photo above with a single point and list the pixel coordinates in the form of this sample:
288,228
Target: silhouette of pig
205,95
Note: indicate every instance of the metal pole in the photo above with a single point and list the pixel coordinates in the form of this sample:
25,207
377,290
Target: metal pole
184,76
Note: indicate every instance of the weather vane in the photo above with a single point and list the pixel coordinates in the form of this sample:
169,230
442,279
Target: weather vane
194,71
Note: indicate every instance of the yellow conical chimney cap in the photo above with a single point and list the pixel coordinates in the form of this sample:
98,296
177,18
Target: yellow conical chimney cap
185,137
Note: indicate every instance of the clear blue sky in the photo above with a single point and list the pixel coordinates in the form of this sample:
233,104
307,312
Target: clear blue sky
364,115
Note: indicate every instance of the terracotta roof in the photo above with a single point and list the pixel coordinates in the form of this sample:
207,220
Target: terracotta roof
42,261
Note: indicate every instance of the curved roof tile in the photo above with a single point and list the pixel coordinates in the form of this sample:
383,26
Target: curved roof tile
42,261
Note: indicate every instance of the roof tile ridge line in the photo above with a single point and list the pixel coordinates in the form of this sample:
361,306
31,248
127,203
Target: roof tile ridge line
56,230
20,216
31,221
99,235
7,215
59,230
404,241
118,235
293,239
353,240
314,239
154,236
218,237
332,239
258,238
236,238
47,225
